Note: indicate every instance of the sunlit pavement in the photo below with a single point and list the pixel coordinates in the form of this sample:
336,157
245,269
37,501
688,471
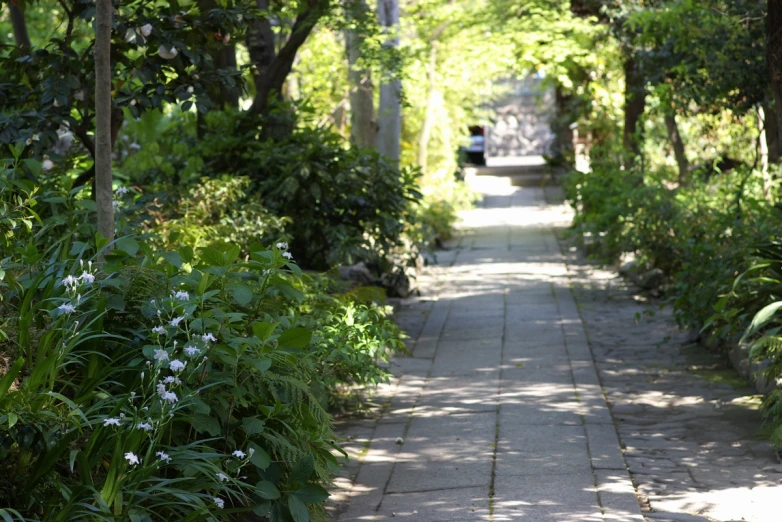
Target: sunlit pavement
498,413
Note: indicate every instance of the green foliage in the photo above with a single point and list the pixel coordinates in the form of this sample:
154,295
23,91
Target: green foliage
346,204
220,363
217,211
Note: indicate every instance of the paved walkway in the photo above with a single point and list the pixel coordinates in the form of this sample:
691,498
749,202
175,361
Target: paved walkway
498,414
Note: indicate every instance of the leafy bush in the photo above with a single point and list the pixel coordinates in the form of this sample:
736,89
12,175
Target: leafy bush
186,384
210,212
346,205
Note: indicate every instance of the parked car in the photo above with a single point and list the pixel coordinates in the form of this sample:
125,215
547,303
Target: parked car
476,150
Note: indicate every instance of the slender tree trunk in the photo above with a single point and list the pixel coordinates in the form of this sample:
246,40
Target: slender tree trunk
635,104
774,59
772,130
20,26
363,126
678,148
763,153
273,69
104,192
390,111
561,125
426,128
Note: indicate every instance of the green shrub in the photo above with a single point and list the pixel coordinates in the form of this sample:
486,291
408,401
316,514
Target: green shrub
193,353
346,205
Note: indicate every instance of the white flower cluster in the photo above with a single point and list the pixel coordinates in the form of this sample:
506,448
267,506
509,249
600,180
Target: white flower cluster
283,245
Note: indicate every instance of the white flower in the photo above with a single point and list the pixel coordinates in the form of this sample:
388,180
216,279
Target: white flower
70,281
28,141
145,30
220,502
163,456
191,351
161,389
287,255
176,365
47,163
135,146
122,190
167,54
35,137
56,103
172,380
251,451
159,330
239,454
111,421
79,95
115,204
176,320
190,89
208,337
161,355
222,476
66,308
182,295
132,458
145,426
170,397
282,245
133,101
86,277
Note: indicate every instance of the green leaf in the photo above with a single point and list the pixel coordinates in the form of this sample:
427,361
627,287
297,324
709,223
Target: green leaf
128,245
10,376
298,509
206,423
259,456
762,317
303,469
173,258
261,364
12,419
267,490
297,337
252,425
241,293
312,494
263,330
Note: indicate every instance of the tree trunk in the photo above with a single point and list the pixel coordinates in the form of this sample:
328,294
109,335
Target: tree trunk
426,128
772,131
678,148
273,68
635,104
563,141
774,59
20,26
363,126
763,153
390,110
104,193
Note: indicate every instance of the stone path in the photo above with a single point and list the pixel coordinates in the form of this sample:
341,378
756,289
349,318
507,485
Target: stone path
689,425
511,401
498,413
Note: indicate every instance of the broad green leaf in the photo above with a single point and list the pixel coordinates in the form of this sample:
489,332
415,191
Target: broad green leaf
252,425
12,419
259,457
312,494
298,509
303,470
263,330
206,423
241,293
127,245
267,490
297,337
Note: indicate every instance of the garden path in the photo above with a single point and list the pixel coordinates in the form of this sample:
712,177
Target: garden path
498,413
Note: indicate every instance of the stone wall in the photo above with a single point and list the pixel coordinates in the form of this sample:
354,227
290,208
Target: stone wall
521,126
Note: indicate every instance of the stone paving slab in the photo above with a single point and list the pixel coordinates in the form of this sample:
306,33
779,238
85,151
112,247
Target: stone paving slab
498,413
